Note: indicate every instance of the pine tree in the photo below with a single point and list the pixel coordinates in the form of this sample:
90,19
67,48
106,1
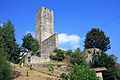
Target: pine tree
30,44
97,39
8,42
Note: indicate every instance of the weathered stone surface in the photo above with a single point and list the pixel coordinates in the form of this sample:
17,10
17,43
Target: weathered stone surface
89,55
99,74
44,33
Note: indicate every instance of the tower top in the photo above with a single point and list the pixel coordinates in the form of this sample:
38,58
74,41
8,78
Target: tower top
44,9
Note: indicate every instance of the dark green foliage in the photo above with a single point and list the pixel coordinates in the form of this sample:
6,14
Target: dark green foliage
69,52
31,44
77,57
97,39
80,72
63,76
78,50
5,68
59,55
8,42
51,68
104,60
118,71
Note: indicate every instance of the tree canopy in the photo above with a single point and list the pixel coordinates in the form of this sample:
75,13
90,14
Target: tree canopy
8,42
97,39
29,43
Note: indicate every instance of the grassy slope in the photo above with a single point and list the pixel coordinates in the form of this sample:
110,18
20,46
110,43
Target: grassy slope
39,74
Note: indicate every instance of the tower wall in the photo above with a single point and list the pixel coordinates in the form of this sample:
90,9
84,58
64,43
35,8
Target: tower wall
44,27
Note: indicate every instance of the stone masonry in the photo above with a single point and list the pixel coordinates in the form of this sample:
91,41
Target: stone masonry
44,33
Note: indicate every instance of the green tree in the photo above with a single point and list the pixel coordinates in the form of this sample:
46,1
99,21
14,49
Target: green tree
5,68
81,72
77,57
8,42
30,44
97,39
118,71
59,54
104,60
63,76
69,52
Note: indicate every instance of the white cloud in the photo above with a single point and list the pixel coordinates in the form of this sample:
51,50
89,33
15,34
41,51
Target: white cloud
72,40
32,33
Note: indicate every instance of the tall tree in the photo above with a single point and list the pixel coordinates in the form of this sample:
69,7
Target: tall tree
29,43
97,39
8,41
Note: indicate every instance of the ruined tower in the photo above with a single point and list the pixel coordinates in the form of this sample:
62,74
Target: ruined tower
44,33
44,27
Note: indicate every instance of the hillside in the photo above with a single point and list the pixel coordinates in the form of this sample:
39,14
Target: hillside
36,73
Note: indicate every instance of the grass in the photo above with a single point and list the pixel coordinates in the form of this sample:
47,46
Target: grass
62,63
37,74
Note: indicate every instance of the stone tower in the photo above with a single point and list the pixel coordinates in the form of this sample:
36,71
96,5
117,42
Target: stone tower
44,27
44,33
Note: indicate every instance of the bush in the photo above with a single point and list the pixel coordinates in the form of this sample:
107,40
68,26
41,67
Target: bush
63,76
77,58
69,52
80,72
59,55
51,68
5,69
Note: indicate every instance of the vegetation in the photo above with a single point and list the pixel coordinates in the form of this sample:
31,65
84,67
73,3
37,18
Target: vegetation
51,69
63,76
97,39
69,52
80,72
30,45
104,60
8,42
118,71
59,55
5,68
77,57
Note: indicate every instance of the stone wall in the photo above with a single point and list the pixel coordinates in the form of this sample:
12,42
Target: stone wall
49,45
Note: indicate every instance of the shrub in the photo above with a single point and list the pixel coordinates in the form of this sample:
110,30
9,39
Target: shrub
51,69
5,69
63,76
59,55
80,72
76,58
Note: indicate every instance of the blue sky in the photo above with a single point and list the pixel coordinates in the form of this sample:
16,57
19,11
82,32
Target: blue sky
73,19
